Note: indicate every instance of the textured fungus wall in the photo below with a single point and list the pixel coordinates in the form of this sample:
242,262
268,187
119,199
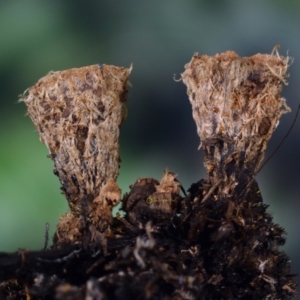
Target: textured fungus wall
236,105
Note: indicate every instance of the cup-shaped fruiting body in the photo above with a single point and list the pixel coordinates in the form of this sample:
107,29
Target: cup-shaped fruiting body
77,113
236,105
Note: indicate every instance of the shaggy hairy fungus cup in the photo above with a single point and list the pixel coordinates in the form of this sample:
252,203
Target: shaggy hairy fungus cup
236,105
77,113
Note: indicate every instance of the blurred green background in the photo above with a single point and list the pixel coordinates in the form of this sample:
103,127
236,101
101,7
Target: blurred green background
159,38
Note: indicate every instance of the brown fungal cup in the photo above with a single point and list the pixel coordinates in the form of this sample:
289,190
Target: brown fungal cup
77,113
236,105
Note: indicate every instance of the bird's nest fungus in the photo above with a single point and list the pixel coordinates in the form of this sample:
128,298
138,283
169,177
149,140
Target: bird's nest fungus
216,242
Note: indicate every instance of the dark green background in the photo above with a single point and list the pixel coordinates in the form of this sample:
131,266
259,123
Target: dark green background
159,37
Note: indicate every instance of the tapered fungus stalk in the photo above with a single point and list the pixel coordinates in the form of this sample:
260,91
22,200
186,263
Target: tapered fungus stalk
77,113
236,106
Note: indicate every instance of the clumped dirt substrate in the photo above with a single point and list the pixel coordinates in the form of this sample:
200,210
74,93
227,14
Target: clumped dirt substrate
194,250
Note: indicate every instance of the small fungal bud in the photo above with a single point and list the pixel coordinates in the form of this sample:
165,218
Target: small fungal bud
236,105
152,200
110,196
77,113
169,183
164,199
